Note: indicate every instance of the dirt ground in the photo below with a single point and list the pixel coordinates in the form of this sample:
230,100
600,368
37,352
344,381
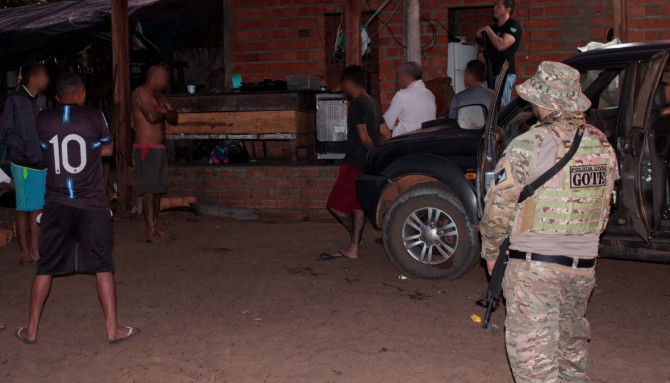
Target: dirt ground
228,301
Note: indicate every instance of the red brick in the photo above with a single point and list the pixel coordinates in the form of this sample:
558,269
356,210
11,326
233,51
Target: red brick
310,172
278,172
635,11
268,203
5,237
285,204
635,36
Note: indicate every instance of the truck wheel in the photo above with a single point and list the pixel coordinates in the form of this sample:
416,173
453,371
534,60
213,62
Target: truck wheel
428,235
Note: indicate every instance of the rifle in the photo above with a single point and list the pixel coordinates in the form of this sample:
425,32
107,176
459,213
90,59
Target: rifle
490,301
492,297
490,76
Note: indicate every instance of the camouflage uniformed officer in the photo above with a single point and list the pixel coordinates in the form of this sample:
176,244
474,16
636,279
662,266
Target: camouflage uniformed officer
554,234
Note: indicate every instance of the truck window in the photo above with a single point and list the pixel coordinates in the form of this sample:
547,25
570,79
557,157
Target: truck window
603,88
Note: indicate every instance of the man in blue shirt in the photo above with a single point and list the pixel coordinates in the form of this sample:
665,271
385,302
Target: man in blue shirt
476,93
28,169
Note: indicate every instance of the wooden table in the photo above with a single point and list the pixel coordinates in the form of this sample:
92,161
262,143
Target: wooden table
286,116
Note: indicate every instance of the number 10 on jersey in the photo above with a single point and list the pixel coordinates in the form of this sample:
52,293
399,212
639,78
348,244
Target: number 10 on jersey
61,154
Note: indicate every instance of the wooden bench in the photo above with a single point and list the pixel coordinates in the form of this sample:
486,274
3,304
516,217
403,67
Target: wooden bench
265,117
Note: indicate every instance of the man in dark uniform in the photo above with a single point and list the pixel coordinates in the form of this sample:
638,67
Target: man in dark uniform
74,140
501,41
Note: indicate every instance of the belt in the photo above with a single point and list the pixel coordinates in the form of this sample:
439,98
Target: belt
557,259
144,148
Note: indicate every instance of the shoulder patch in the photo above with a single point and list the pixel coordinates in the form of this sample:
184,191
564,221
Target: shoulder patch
501,176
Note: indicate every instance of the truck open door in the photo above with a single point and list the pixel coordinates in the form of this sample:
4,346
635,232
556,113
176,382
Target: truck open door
642,171
490,149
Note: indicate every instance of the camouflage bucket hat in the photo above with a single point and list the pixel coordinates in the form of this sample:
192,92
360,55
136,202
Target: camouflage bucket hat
555,86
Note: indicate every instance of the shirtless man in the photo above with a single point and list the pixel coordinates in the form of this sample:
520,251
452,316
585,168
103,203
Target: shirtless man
150,112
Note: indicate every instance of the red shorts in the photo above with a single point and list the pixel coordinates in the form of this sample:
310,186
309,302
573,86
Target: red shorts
343,196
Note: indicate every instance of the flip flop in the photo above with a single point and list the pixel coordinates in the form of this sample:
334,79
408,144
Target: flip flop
330,257
2,326
20,334
132,331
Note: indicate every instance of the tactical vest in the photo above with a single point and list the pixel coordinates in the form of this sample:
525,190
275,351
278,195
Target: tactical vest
575,201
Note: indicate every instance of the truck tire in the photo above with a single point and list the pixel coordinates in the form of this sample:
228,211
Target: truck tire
428,235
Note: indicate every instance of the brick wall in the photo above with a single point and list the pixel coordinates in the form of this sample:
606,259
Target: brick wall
467,21
648,20
273,38
273,193
554,28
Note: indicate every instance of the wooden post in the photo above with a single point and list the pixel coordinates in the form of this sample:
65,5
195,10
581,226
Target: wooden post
620,16
227,64
353,31
412,31
121,97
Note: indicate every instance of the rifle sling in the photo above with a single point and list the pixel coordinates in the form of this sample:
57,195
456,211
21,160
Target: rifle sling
530,189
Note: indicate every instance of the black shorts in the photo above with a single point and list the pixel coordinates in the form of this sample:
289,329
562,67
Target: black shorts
74,240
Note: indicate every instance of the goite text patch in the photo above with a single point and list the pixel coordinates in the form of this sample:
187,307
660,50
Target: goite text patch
585,176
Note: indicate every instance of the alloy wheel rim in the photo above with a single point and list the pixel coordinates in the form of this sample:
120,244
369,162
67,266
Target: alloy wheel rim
430,235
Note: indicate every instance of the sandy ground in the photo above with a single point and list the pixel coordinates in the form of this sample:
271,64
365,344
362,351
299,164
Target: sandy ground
227,301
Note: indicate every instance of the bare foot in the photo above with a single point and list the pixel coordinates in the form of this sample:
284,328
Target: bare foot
27,262
159,232
151,236
121,334
350,252
25,335
2,326
24,259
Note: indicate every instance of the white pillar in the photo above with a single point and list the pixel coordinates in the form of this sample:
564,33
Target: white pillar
412,31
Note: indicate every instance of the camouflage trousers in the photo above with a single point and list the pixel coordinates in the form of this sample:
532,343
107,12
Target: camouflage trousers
546,333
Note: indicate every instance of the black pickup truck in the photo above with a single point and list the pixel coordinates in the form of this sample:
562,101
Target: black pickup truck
425,189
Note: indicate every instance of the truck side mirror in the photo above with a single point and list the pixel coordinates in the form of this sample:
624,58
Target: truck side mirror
471,117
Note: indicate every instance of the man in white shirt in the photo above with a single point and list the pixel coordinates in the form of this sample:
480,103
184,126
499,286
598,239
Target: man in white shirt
413,105
476,93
